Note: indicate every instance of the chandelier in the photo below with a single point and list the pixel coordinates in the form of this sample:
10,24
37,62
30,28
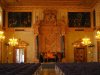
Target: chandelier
98,34
13,41
2,37
86,41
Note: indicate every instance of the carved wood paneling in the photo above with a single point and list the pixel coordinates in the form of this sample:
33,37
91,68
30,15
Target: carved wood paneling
50,17
80,54
50,32
49,38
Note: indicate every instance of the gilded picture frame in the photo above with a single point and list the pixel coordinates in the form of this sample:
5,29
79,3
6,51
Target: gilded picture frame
19,19
79,20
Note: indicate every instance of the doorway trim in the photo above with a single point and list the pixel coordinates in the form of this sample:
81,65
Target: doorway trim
25,54
21,45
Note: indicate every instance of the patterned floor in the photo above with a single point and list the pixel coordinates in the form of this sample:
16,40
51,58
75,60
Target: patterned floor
47,72
48,69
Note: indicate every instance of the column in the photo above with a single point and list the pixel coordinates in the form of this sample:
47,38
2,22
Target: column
36,43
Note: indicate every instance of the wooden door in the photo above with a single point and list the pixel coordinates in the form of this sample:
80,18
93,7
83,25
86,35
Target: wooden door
80,54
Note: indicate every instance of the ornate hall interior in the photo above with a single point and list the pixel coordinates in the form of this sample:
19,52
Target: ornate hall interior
49,28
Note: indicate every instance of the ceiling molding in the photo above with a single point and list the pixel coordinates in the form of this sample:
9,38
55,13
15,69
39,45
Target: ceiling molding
3,4
83,3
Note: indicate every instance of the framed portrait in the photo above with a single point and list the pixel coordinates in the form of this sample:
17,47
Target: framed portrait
19,19
79,19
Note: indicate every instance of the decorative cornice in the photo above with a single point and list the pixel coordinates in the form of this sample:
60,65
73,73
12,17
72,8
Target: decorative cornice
49,3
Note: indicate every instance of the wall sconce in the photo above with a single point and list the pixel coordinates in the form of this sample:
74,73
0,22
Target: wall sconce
86,41
2,37
98,34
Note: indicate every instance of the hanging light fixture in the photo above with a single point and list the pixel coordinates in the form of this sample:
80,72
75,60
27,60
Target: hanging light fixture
13,41
98,34
2,37
86,41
